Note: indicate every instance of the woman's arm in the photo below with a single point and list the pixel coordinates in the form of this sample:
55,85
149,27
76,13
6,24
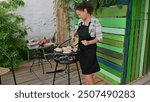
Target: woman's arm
86,43
95,29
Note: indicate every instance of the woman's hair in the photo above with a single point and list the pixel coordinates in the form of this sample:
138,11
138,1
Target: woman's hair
85,5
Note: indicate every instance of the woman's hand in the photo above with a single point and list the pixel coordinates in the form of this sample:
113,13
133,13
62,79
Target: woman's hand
85,42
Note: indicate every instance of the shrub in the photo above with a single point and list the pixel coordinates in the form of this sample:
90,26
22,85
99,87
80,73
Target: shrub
12,32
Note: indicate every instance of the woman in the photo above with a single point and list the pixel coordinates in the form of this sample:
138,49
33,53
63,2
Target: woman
89,32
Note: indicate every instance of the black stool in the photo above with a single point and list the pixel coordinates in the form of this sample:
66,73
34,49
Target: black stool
66,59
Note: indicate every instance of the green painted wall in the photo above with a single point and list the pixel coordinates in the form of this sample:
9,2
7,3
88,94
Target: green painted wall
123,53
139,37
110,51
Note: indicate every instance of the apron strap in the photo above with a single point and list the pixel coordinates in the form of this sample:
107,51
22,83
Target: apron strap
89,24
80,24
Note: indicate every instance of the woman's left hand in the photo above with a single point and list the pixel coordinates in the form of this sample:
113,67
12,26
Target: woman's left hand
89,42
85,42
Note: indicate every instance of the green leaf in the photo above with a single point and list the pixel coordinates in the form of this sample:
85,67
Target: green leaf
78,1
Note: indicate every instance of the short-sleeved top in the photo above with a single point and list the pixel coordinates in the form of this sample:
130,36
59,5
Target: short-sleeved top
95,29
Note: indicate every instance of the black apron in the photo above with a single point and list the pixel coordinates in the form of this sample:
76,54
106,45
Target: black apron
88,60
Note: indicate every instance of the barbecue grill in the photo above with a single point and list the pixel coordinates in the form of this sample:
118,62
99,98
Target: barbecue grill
63,57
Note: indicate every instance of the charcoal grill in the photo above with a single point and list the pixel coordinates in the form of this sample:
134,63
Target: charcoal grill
66,58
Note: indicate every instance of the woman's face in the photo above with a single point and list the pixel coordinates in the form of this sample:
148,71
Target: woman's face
82,14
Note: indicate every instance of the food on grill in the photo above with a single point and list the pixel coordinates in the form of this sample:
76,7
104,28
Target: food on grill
67,48
58,49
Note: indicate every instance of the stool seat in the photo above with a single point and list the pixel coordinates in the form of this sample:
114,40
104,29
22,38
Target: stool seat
4,70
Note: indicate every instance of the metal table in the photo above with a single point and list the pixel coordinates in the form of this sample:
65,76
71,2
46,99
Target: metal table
39,52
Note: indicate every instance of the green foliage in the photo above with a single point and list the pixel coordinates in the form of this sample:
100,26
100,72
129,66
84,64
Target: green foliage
77,1
99,3
96,4
12,32
11,4
103,3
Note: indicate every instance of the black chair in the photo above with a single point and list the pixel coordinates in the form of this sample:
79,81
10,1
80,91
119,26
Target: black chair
67,59
6,70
